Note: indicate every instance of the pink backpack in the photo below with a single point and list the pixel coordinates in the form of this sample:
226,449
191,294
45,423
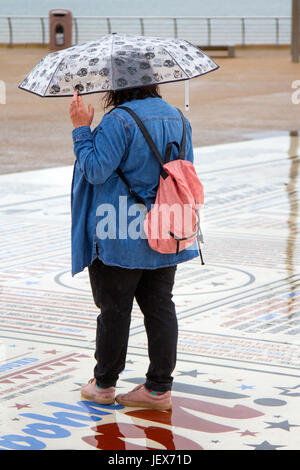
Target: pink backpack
173,222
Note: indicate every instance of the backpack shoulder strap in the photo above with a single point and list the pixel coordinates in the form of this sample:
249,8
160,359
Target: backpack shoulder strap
131,191
148,138
181,149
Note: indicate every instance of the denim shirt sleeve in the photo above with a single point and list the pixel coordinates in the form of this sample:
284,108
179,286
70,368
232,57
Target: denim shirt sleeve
100,152
189,155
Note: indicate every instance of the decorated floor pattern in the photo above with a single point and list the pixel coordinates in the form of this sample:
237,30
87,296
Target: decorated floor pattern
237,380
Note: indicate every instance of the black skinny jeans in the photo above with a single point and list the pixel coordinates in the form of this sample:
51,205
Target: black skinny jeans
114,290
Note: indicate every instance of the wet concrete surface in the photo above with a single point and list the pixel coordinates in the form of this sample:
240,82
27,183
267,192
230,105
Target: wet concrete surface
237,380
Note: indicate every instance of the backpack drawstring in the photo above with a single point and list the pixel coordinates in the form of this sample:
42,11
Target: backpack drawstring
198,234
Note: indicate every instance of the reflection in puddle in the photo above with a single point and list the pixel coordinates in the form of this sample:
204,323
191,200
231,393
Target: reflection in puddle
124,436
148,430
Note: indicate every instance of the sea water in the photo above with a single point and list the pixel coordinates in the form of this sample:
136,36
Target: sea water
264,30
150,7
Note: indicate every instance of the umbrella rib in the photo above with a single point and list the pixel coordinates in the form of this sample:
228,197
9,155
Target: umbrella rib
176,63
53,75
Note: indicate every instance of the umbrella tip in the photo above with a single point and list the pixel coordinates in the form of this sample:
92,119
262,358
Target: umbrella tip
187,96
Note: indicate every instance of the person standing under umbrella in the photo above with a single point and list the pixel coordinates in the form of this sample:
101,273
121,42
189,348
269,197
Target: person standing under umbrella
123,267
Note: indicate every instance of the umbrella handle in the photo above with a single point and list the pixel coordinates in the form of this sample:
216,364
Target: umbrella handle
187,98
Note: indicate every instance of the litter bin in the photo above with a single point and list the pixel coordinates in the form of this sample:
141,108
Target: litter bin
60,29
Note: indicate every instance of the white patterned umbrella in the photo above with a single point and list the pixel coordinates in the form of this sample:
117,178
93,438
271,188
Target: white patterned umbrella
116,62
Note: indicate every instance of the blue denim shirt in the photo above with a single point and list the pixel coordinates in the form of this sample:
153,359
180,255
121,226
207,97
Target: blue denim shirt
99,195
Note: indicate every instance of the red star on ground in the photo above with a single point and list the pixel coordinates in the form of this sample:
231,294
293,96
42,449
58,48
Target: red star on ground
19,406
247,433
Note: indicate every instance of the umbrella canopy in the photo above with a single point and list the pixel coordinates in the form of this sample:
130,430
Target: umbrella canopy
115,62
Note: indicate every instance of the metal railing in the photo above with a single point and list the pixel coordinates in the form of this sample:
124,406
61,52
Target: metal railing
215,30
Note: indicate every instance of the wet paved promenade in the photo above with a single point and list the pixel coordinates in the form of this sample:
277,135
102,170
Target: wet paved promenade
237,380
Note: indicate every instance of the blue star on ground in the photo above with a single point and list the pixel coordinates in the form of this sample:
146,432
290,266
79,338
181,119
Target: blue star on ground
287,391
79,386
282,425
244,387
265,445
191,373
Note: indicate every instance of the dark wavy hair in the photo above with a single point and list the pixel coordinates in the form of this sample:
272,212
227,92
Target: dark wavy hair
115,98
